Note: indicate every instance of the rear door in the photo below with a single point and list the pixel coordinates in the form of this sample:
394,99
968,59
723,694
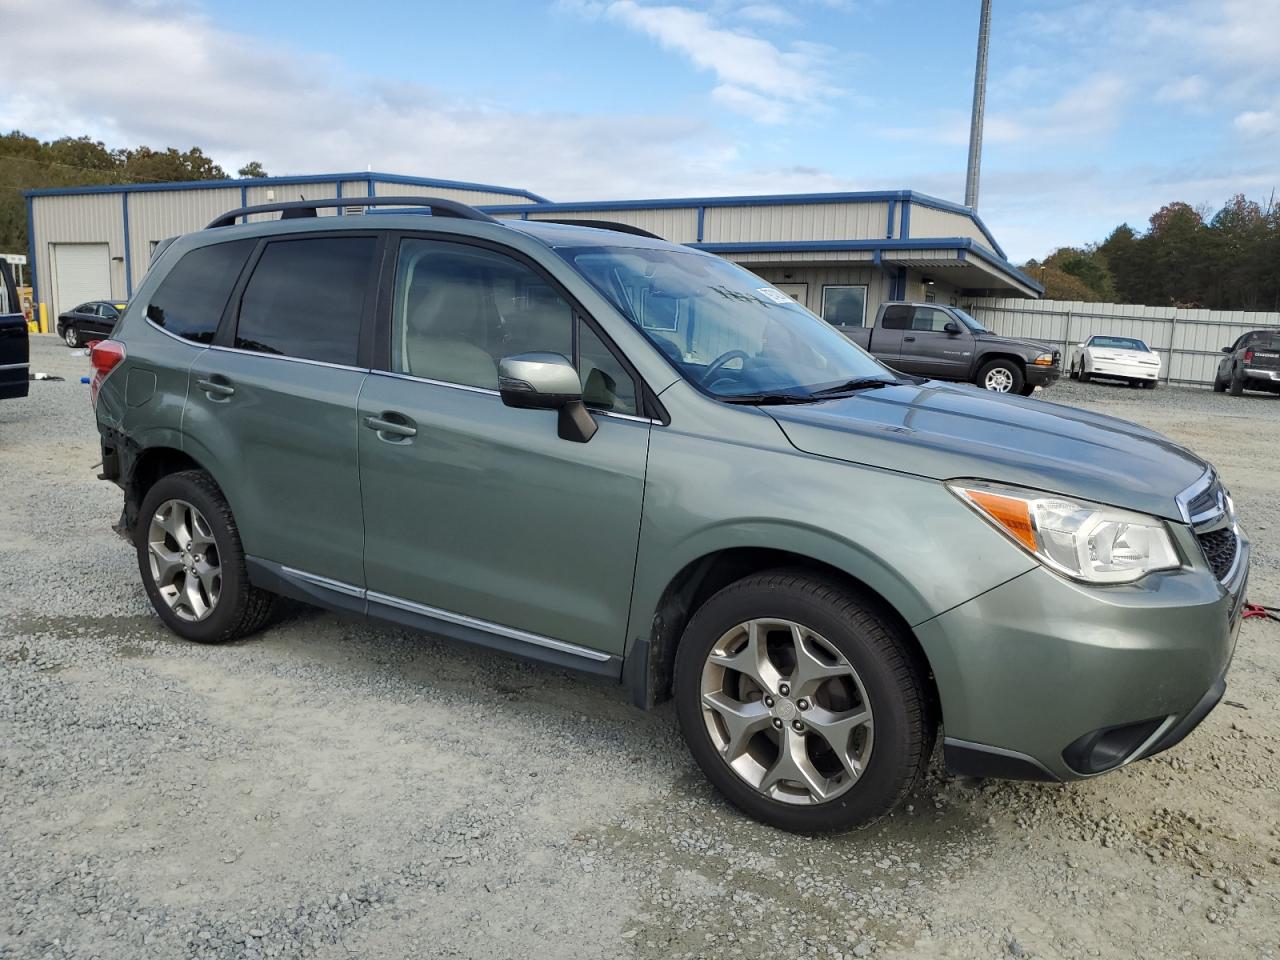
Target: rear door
929,351
273,401
14,346
478,514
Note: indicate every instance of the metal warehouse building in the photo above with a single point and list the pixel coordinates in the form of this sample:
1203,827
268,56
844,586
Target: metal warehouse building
840,254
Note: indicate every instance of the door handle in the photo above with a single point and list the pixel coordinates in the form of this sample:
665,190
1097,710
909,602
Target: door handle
908,339
216,387
392,427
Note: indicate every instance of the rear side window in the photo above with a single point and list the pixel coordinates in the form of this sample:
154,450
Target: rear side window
896,318
190,299
306,298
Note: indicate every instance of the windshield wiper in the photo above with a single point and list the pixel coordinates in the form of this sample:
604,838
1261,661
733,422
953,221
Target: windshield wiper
849,386
764,399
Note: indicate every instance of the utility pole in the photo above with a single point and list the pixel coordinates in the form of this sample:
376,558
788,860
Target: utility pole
979,105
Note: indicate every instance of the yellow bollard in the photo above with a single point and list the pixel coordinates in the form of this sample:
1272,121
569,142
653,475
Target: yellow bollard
44,320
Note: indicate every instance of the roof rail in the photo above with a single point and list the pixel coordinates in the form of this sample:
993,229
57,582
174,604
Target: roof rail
307,208
602,225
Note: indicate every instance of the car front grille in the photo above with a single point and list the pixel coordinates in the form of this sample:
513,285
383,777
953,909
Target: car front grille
1219,548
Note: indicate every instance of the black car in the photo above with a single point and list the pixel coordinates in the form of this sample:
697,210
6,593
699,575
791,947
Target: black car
1252,362
89,321
13,339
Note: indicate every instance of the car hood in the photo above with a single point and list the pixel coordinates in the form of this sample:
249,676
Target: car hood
948,431
1029,346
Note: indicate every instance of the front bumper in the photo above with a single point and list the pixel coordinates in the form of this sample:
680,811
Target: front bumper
1125,371
1046,679
1042,376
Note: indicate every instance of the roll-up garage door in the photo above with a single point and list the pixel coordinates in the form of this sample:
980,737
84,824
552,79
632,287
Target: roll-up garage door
81,271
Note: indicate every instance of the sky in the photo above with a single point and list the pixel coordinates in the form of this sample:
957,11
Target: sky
1098,111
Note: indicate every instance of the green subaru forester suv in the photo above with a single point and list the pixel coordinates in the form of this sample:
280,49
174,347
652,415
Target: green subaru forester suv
596,449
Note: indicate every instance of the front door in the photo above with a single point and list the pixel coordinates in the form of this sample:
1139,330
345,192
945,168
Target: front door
477,513
928,350
274,403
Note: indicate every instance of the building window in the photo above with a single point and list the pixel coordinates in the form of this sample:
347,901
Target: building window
845,306
930,296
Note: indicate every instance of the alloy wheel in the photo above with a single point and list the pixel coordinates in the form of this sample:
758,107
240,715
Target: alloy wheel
786,711
72,336
999,380
185,565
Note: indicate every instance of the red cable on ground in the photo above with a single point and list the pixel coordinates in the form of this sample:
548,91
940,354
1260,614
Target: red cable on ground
1252,610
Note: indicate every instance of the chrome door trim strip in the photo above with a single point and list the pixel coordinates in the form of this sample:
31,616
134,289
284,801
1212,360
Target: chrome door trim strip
458,619
14,366
285,356
338,586
487,626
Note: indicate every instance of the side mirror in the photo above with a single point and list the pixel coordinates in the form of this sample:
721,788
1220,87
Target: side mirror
1226,350
951,327
547,381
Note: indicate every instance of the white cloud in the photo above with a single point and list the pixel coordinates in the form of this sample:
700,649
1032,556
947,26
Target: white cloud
1257,123
754,76
769,13
1190,90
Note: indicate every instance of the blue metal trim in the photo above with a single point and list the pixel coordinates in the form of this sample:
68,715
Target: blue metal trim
524,214
31,261
284,181
888,227
702,219
244,201
785,199
900,288
904,232
338,196
369,185
959,244
128,255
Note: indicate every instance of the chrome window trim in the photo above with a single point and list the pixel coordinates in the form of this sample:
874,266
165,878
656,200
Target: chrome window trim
494,393
174,336
285,356
14,366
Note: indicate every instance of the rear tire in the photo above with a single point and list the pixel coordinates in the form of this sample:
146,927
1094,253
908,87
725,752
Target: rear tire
235,608
1236,388
1001,376
71,335
1149,385
1074,374
1219,385
1085,375
870,672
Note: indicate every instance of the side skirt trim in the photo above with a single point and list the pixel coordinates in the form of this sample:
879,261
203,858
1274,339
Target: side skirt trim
338,595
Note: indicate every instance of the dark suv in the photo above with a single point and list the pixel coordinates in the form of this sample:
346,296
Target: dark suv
608,452
1251,363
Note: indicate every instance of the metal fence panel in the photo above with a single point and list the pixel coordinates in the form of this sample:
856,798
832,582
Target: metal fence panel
1189,341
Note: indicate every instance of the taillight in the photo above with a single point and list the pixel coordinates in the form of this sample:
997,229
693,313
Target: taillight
1248,356
104,355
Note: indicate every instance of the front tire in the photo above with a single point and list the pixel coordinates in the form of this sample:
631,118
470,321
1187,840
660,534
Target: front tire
192,563
802,705
71,335
1001,376
1219,385
1085,375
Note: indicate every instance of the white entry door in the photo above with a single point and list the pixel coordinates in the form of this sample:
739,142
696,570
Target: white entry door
81,271
798,292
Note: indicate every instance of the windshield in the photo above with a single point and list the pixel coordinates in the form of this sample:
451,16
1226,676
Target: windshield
969,322
1118,343
727,331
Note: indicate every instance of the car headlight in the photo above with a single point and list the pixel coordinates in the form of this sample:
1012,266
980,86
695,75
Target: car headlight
1082,540
1043,360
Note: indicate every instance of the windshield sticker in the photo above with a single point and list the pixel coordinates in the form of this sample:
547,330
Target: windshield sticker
777,296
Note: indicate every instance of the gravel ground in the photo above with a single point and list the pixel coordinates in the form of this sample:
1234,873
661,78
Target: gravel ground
336,788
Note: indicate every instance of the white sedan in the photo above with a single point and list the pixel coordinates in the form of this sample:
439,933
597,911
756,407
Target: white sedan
1119,358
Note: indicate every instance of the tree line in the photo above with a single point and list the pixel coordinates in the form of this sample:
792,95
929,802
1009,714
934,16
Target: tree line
27,163
1187,257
